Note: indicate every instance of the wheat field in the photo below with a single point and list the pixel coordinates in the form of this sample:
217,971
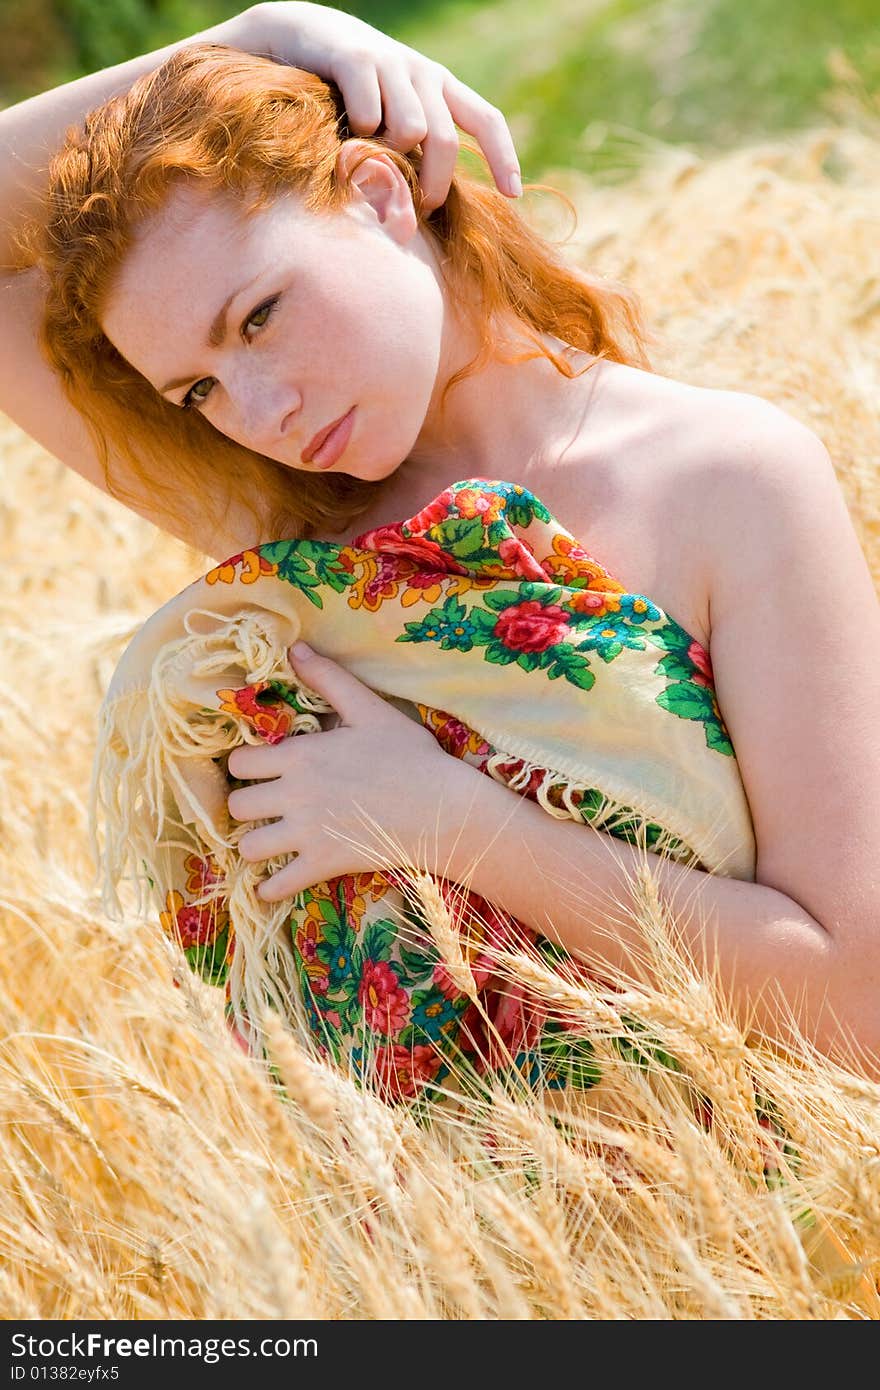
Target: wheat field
152,1170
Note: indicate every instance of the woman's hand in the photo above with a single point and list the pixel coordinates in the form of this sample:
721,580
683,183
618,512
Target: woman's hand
352,799
385,83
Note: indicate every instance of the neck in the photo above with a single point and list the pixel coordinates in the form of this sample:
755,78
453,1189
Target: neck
509,416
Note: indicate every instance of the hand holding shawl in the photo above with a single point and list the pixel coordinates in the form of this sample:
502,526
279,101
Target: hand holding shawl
374,758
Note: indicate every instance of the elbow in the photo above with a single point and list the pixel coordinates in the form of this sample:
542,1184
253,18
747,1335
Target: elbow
849,1027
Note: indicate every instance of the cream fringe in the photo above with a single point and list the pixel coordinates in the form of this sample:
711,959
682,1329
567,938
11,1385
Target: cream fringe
156,790
609,814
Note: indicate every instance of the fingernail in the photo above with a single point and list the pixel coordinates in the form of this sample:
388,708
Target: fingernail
514,184
301,650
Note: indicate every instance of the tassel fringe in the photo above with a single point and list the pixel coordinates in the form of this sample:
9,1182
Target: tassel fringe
158,787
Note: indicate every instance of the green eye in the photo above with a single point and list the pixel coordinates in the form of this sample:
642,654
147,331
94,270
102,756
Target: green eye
194,390
259,318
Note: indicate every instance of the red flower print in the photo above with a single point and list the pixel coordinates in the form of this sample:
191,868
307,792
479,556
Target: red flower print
423,581
428,554
191,926
512,772
479,502
400,1070
481,969
509,1021
380,578
271,722
202,874
503,931
396,878
488,929
307,940
457,738
385,1004
429,516
700,657
517,1015
383,582
593,601
531,627
519,557
473,1036
197,926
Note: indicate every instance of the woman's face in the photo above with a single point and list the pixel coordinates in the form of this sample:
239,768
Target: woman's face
278,324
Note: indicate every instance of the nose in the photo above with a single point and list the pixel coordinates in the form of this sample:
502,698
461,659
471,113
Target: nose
269,414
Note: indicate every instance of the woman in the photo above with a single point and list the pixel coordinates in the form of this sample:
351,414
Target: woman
381,347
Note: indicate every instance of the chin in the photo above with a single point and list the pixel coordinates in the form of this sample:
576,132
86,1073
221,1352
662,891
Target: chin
378,472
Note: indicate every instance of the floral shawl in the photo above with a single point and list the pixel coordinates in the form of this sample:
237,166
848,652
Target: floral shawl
483,618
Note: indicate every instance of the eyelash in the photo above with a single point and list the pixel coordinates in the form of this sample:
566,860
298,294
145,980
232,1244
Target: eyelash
191,402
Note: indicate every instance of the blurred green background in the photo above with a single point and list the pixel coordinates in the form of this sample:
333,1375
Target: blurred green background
585,83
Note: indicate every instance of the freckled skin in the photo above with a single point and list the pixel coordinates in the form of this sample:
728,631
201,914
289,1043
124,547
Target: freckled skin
359,322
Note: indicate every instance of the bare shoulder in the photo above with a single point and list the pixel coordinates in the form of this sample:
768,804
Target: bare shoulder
722,438
738,437
705,438
686,475
761,483
744,473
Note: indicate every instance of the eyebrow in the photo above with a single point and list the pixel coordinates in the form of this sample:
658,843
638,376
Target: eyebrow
216,335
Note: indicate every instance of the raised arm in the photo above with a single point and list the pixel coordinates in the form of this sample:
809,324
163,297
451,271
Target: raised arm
33,130
383,83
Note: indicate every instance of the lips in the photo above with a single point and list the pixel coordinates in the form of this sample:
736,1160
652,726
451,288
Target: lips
316,445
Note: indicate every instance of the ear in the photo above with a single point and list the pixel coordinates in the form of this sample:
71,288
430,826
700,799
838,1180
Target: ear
377,184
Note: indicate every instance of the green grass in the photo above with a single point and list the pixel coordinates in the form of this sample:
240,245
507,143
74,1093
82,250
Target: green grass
584,83
711,74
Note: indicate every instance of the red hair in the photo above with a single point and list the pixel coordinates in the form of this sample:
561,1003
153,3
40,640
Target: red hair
245,124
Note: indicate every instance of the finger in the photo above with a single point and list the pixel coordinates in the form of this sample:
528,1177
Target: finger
439,147
266,841
350,697
489,128
358,81
254,803
251,761
404,116
292,879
